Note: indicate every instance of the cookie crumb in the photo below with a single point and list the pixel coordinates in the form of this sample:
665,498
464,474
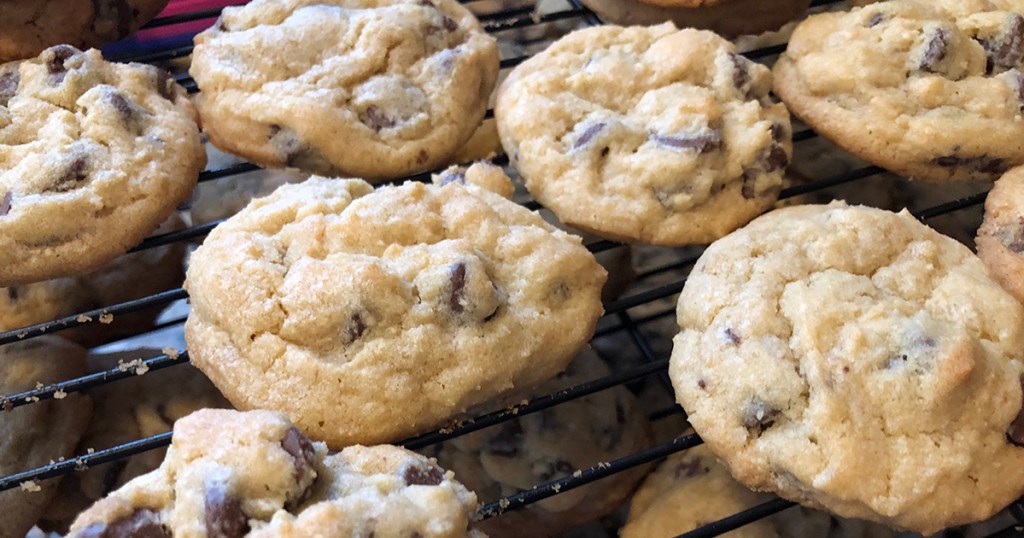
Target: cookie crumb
90,450
106,318
82,318
59,394
171,352
504,503
30,485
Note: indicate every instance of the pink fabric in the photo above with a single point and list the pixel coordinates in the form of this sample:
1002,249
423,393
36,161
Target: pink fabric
178,7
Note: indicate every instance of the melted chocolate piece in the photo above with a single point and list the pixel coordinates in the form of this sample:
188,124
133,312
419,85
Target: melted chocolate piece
418,476
507,440
376,119
143,523
8,86
747,189
983,164
5,203
1006,50
449,23
700,142
55,66
422,156
688,468
701,384
588,134
875,20
300,449
12,293
295,153
356,327
740,74
759,416
77,172
1015,433
938,46
732,336
120,103
165,85
223,515
457,276
776,159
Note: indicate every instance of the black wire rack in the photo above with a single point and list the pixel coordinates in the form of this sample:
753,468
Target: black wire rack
651,300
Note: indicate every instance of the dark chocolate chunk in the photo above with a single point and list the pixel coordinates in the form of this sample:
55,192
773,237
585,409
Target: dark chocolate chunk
223,515
1007,49
759,415
422,156
457,276
376,119
143,523
72,177
300,449
12,293
983,164
5,203
507,440
875,20
938,45
55,66
747,189
1015,434
295,153
414,475
740,73
8,85
689,468
449,23
703,142
588,134
732,336
776,159
120,103
355,328
701,384
165,84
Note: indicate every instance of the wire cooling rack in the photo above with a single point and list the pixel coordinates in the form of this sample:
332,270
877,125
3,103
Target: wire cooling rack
632,318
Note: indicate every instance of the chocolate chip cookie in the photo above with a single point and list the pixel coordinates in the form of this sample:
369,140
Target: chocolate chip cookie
232,474
931,90
125,411
545,446
397,87
1000,239
726,17
93,156
367,316
855,360
33,435
128,277
652,135
27,28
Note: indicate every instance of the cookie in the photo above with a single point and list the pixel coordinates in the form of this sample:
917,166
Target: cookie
853,359
729,18
128,277
253,474
1000,240
33,435
29,27
652,135
450,295
125,411
930,90
548,445
397,89
93,157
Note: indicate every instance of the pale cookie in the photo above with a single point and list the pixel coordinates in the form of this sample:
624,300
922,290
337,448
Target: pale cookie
728,17
855,360
369,88
653,135
126,411
1000,240
229,474
128,277
367,316
36,434
93,157
931,90
26,28
552,444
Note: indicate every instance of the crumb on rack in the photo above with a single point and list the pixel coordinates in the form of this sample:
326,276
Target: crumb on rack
106,318
59,394
30,485
82,318
171,352
137,366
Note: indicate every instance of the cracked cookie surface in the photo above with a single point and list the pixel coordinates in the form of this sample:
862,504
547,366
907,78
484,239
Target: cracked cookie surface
652,135
853,359
371,315
396,88
93,157
1000,240
931,90
29,27
229,474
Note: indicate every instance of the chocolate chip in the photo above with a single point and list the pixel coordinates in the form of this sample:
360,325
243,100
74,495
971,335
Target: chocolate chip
355,328
701,384
295,153
688,468
1015,434
1006,50
778,132
12,293
376,119
165,85
449,23
507,440
8,86
701,142
223,515
72,177
740,74
588,134
938,46
747,189
55,65
120,103
300,449
776,159
732,336
422,156
758,416
983,164
875,20
143,523
5,203
895,362
457,277
416,475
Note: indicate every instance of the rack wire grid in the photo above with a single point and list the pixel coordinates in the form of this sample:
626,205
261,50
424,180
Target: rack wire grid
633,318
